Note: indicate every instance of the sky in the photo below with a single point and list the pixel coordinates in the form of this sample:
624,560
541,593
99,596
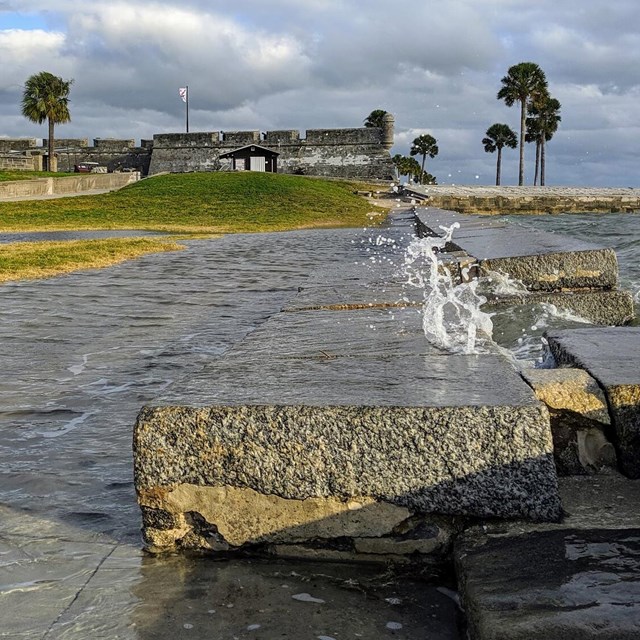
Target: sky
307,64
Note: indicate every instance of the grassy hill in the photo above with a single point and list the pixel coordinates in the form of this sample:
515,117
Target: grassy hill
209,203
200,202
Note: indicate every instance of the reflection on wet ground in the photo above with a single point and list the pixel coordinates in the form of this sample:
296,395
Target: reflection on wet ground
59,236
81,354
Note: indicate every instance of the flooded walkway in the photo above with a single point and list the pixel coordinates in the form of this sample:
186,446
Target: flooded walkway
80,355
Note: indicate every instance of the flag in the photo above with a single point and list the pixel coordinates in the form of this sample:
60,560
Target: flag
183,93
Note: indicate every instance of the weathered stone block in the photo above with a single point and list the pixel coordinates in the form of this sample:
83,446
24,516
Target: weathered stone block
607,308
185,140
612,356
62,143
579,419
577,580
240,137
541,261
596,268
244,516
282,137
467,461
359,135
571,390
110,144
17,144
358,407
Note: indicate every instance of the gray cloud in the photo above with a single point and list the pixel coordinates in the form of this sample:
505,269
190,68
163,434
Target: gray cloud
328,63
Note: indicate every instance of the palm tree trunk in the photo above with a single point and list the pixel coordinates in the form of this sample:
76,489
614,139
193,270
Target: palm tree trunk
51,157
523,109
535,180
424,157
542,162
498,166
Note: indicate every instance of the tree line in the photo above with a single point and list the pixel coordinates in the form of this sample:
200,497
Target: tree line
46,98
525,84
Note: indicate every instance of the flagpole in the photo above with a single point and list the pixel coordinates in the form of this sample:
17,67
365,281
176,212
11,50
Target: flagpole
187,101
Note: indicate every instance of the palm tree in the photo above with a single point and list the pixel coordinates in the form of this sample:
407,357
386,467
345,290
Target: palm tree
409,167
424,145
533,135
498,137
375,118
414,169
523,83
46,97
399,163
542,123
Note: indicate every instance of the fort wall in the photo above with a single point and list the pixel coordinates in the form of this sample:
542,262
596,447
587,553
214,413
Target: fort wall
361,152
17,144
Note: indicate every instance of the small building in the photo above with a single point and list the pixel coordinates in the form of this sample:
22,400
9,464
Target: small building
253,157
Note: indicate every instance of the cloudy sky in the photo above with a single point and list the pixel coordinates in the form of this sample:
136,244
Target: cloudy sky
298,64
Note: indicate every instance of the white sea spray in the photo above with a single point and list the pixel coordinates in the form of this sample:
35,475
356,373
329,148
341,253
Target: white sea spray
452,318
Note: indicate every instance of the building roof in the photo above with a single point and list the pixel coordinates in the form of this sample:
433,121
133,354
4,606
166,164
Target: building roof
251,147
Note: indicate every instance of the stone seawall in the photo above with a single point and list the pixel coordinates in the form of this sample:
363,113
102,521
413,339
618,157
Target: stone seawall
530,200
577,276
336,431
70,185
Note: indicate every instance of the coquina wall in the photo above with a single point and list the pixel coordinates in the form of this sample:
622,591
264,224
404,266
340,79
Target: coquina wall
342,153
109,152
25,154
345,153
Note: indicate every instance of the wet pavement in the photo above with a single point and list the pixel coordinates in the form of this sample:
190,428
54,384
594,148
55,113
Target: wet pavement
81,354
60,236
576,580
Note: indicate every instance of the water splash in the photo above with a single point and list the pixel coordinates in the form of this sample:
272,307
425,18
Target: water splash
520,331
498,284
451,314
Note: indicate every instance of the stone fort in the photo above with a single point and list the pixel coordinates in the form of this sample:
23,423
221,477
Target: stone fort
361,152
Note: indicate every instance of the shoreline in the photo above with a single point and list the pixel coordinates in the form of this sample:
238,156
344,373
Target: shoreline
490,200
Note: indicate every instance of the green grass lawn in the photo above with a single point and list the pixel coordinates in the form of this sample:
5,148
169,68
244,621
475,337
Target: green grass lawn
193,203
7,176
200,202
